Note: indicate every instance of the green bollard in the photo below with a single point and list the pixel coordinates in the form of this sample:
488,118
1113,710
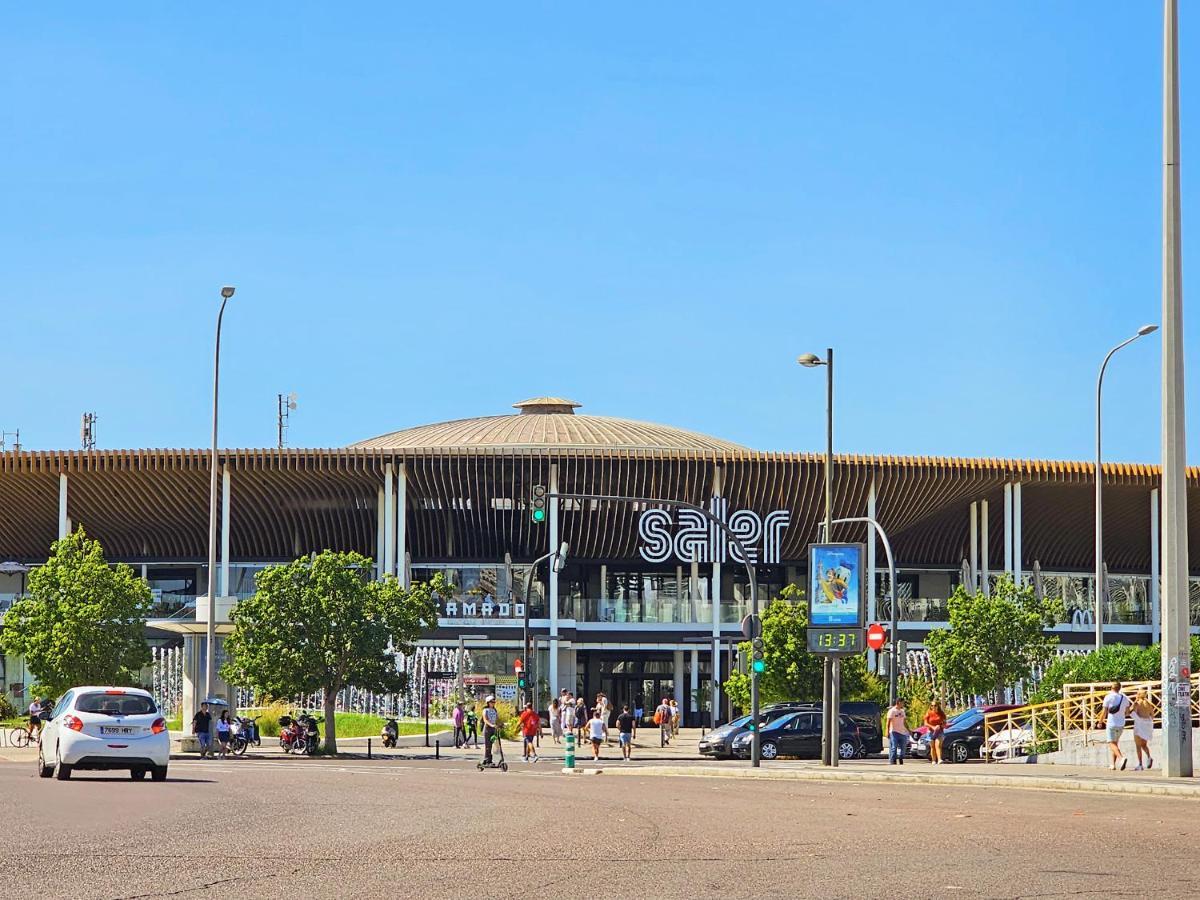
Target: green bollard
569,762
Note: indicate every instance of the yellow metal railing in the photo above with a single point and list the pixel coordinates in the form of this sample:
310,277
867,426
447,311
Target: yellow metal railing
1040,727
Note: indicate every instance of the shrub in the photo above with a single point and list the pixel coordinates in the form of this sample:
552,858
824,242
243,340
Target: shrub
268,725
7,710
1112,662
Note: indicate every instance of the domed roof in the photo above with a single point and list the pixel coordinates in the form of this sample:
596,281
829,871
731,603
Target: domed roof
548,422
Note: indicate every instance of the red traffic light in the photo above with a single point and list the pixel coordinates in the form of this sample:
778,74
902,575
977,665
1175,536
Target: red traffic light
518,666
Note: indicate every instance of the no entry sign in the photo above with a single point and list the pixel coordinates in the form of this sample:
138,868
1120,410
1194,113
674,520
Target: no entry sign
876,636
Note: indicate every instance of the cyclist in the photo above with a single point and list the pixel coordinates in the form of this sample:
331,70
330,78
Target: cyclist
35,718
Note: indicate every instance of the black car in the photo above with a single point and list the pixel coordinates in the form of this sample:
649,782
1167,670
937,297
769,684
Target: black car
866,718
798,733
719,742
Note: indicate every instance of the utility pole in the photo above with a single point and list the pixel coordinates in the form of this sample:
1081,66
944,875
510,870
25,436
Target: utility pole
1176,656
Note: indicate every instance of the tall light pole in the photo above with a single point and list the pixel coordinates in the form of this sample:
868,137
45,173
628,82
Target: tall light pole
1176,662
210,633
830,695
1101,580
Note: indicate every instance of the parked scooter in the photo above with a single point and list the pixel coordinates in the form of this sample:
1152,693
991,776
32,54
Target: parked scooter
245,733
390,732
291,735
312,733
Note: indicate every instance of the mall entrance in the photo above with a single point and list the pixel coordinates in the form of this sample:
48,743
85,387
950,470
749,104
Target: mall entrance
630,677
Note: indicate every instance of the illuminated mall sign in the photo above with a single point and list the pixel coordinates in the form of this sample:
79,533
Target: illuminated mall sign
687,536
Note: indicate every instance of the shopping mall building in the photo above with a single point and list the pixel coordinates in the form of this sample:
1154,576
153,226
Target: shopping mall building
650,598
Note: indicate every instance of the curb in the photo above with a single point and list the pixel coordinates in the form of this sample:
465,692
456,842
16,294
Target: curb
1027,783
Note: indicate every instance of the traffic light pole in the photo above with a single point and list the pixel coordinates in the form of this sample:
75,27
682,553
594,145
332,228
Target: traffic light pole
731,535
562,551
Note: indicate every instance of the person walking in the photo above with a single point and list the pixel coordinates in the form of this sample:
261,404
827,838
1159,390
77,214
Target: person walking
596,733
568,714
897,733
935,720
554,714
625,726
1113,710
605,712
459,717
223,732
1142,713
202,729
674,717
531,725
662,718
491,727
472,727
581,717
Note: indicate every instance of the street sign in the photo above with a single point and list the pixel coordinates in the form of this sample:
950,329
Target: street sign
433,675
751,627
876,636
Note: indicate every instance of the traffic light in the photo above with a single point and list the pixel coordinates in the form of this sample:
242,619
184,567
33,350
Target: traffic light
522,683
757,663
539,503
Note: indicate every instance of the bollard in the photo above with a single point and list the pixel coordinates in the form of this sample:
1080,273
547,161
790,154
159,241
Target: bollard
437,749
569,762
368,748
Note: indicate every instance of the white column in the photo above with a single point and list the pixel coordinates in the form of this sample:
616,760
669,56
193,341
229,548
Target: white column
974,547
552,546
983,549
64,524
380,534
1008,529
680,675
872,600
1016,541
401,522
694,683
1155,610
225,530
389,521
716,608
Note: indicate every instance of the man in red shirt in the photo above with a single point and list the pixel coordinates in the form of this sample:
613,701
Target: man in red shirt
531,726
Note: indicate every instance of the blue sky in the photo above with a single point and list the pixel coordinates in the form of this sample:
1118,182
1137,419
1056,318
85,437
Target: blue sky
431,214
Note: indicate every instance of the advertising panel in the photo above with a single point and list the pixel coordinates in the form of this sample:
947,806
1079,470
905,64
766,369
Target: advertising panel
837,585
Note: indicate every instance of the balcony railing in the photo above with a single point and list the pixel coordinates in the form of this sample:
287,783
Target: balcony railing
657,611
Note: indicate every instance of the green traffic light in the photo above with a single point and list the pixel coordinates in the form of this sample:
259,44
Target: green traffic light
539,515
760,666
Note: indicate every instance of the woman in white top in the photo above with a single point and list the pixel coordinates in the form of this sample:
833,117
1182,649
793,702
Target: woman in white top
555,721
1142,713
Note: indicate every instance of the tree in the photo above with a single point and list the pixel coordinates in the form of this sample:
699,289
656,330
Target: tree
324,624
82,622
792,672
994,641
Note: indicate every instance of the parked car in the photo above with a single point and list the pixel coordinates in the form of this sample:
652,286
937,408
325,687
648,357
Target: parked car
798,733
718,743
1008,743
866,718
105,728
963,735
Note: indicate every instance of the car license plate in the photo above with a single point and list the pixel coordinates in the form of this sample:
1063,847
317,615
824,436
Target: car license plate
118,729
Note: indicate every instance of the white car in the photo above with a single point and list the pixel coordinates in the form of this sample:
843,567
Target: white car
105,728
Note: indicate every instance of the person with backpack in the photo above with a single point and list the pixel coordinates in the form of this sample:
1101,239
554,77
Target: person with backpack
662,718
472,728
1113,711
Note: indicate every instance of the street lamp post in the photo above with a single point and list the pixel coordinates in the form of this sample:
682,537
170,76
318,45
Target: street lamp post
210,638
560,558
831,693
1101,580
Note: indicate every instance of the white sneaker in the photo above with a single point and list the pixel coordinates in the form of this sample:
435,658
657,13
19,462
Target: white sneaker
535,758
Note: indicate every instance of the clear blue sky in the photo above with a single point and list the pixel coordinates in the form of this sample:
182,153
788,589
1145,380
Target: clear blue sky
651,210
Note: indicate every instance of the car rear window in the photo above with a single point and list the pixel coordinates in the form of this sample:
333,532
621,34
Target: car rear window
116,704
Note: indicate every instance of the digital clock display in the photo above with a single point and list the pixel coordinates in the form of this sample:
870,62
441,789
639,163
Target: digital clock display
835,640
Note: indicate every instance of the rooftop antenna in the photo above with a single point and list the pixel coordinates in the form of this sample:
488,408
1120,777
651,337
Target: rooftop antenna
286,405
87,431
16,444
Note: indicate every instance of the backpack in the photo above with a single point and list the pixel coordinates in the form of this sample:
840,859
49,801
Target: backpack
658,716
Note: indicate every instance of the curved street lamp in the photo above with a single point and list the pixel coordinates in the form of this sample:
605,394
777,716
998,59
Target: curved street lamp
1101,580
210,633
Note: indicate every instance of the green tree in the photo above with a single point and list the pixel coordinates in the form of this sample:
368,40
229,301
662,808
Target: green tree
995,641
792,672
324,624
82,621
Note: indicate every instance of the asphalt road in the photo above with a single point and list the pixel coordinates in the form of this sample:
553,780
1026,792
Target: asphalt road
315,828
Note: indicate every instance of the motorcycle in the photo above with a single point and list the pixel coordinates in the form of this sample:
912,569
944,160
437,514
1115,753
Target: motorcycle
312,734
245,733
390,732
291,735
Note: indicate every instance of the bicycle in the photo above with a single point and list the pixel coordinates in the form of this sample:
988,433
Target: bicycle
21,736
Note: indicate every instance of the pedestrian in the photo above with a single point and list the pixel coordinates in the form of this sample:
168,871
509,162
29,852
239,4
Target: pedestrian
1114,708
662,718
459,718
581,717
625,724
202,729
472,729
674,718
603,707
639,711
935,720
491,727
1142,713
531,726
897,733
223,728
568,714
596,733
35,718
554,714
